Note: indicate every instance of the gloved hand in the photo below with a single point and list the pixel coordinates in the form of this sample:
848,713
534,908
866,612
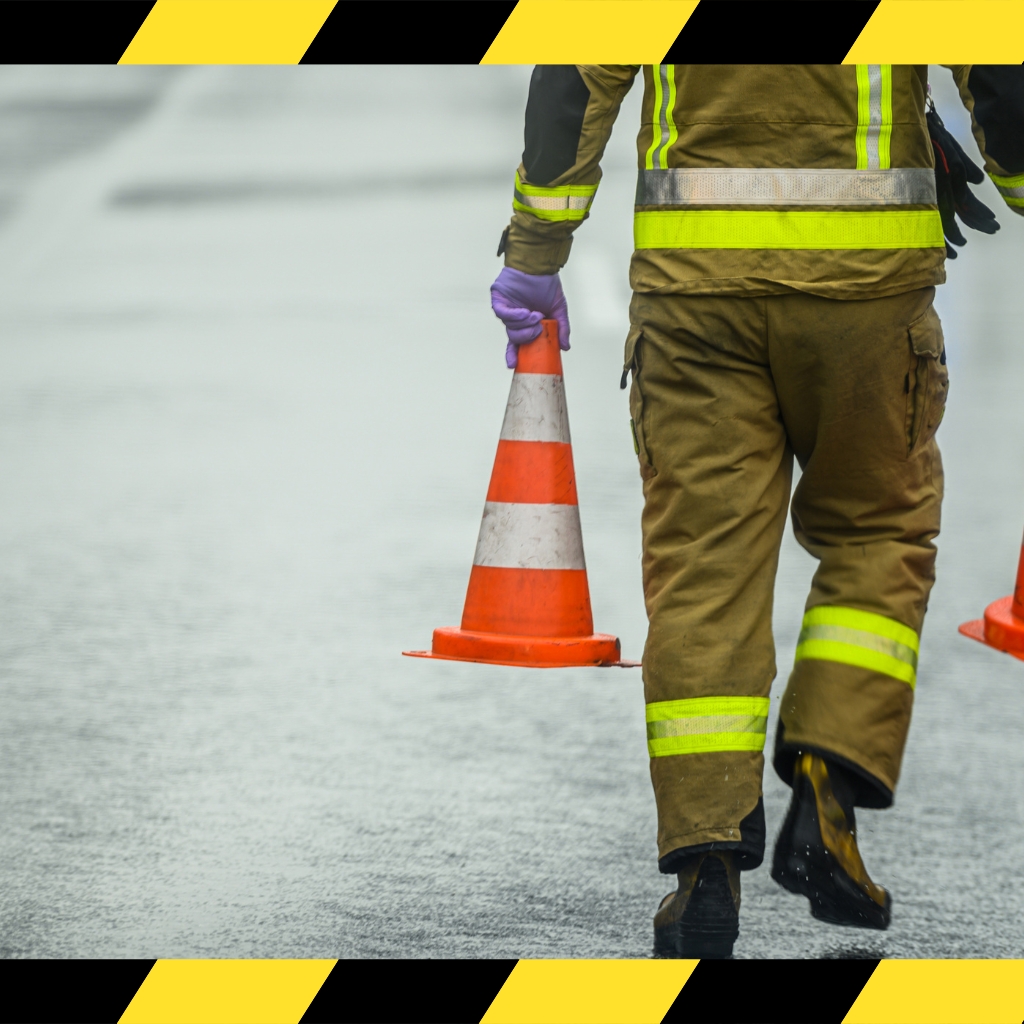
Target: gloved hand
953,169
520,301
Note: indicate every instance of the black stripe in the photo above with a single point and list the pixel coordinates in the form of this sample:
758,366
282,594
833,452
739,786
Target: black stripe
69,31
58,991
555,111
770,31
770,992
998,91
399,991
408,31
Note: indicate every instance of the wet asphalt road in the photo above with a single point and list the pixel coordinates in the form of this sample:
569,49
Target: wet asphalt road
250,389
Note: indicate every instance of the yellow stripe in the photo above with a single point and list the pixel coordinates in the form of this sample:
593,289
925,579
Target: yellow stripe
227,992
863,116
849,654
694,718
693,707
655,118
787,229
553,215
554,190
941,32
589,32
885,134
227,32
581,991
1016,181
941,992
707,743
852,618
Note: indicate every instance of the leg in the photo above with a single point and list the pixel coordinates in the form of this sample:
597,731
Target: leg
862,387
716,471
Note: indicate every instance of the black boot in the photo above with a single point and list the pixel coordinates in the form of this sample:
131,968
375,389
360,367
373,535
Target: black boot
816,854
701,919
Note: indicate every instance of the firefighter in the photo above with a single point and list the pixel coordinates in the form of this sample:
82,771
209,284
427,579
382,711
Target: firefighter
790,229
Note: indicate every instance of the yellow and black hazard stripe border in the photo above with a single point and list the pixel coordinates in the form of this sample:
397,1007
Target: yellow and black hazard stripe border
510,32
514,992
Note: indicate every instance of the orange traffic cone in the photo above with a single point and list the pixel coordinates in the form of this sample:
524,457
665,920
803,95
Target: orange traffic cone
528,601
1003,624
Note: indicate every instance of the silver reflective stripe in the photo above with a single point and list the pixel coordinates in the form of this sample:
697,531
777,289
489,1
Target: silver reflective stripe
1011,193
523,536
554,202
661,153
874,126
860,638
536,409
755,186
704,724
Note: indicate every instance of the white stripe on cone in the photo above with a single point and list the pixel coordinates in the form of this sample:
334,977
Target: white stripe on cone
527,536
536,409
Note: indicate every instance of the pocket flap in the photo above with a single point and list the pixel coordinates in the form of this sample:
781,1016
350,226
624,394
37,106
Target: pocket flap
631,341
926,335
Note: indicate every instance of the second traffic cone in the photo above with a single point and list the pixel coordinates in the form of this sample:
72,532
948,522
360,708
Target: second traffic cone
1003,624
528,601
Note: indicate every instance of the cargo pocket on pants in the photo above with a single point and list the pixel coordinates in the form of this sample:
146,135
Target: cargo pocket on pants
927,380
632,362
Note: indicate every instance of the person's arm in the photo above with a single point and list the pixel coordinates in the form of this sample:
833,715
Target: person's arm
569,118
994,95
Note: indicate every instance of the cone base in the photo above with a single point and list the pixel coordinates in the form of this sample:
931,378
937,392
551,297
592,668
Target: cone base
453,644
1000,628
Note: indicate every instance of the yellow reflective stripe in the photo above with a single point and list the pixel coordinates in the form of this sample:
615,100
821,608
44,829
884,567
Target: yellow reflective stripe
869,622
655,117
1010,188
787,229
554,215
554,190
704,724
863,116
874,116
864,639
556,203
1014,181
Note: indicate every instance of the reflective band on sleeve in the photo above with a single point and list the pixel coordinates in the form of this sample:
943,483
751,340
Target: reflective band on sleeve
858,638
536,409
755,186
1011,189
787,229
701,725
562,202
874,116
526,536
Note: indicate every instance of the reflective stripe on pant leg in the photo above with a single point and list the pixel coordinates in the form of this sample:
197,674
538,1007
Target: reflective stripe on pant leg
702,724
858,638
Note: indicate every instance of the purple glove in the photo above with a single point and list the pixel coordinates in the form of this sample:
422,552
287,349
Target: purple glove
520,301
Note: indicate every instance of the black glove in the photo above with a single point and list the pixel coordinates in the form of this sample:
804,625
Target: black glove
953,169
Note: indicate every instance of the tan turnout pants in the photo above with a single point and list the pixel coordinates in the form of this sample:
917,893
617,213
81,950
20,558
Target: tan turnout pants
725,390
